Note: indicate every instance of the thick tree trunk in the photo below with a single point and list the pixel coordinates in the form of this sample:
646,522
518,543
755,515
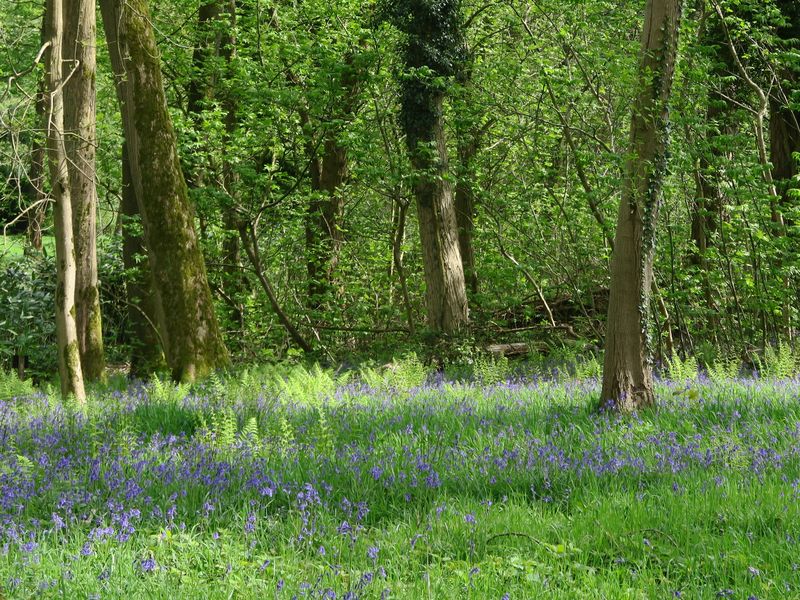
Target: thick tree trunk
146,354
188,325
445,290
627,376
69,359
80,140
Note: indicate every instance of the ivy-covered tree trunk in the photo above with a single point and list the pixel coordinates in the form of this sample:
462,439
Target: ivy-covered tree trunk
433,53
191,335
69,359
146,354
79,130
627,376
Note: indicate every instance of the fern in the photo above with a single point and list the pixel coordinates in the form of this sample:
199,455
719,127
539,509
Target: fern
588,369
723,369
286,436
325,436
13,387
491,369
682,370
249,433
166,392
777,363
25,466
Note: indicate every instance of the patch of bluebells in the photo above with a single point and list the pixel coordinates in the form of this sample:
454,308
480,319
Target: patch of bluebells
79,477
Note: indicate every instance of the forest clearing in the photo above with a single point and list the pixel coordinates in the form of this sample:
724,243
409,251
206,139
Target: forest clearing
399,299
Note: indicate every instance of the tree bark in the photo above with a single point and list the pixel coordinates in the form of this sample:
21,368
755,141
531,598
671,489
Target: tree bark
187,322
465,210
445,289
146,354
69,359
36,214
784,121
324,235
79,53
627,375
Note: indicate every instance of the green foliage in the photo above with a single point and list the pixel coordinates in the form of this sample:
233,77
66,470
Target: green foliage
682,370
590,368
777,362
404,374
309,385
27,325
12,387
723,368
491,369
167,392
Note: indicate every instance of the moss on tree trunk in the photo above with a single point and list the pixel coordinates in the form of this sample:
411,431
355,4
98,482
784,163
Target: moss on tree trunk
79,55
187,322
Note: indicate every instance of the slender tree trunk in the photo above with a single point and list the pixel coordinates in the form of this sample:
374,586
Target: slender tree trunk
784,120
445,289
187,322
250,243
201,84
324,227
465,212
69,359
324,234
627,375
79,122
231,247
146,354
397,260
35,217
784,138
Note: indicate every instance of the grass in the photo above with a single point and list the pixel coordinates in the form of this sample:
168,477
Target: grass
310,484
12,247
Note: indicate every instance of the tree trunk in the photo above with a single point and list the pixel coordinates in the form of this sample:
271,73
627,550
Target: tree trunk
784,121
324,231
784,138
146,354
192,339
627,376
445,290
36,214
465,212
69,359
80,141
324,223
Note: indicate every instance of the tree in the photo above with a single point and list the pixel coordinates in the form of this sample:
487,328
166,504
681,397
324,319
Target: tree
187,322
146,355
69,359
433,52
80,141
627,376
784,121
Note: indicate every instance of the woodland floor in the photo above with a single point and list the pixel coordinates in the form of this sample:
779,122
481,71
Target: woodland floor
311,485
